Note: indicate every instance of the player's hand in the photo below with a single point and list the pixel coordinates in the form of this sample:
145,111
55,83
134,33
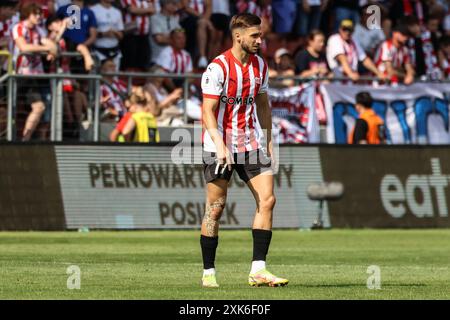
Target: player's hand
224,159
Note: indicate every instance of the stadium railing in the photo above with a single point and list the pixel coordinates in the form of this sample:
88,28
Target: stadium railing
94,92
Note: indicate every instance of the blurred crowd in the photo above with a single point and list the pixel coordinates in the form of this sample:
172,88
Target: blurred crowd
393,41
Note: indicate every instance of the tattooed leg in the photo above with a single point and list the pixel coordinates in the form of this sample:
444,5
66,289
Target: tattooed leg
213,212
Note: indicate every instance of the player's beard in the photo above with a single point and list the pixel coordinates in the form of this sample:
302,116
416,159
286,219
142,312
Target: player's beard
248,49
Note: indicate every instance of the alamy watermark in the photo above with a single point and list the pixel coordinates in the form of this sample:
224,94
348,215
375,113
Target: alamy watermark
373,21
74,17
374,280
74,279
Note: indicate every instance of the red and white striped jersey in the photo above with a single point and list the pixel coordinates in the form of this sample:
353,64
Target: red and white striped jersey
236,87
175,61
387,52
431,61
115,100
28,64
198,5
142,21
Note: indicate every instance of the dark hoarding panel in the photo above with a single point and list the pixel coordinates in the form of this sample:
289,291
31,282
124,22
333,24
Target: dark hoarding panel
404,187
30,194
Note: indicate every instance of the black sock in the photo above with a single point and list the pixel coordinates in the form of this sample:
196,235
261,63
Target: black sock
261,243
209,246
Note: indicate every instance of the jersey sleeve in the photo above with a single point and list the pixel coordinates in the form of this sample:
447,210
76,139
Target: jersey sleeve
386,54
213,81
165,60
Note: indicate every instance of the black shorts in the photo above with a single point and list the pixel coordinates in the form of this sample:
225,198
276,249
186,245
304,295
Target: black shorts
248,165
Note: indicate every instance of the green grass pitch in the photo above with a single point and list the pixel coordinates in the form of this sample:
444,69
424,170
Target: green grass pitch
414,264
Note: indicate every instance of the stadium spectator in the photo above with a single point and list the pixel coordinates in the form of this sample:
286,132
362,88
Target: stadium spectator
220,18
84,34
7,11
284,14
166,111
74,99
311,62
109,31
136,43
116,134
343,54
161,24
309,15
369,127
444,56
174,59
112,93
430,42
393,58
415,45
199,28
367,36
346,10
142,122
283,67
29,37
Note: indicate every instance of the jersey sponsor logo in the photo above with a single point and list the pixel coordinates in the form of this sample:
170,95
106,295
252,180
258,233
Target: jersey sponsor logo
237,100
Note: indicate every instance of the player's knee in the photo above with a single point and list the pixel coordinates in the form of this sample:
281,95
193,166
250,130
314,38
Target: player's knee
267,203
216,213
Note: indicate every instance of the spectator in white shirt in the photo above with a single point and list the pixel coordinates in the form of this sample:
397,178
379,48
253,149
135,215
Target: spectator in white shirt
174,59
343,54
161,24
110,31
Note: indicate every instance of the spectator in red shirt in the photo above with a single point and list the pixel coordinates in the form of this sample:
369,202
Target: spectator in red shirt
117,134
113,93
393,58
29,37
7,11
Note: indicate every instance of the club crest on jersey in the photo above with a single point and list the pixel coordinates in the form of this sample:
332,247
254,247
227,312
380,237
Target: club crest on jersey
258,80
237,100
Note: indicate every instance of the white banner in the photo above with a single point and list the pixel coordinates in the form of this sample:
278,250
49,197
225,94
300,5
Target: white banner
294,115
413,114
